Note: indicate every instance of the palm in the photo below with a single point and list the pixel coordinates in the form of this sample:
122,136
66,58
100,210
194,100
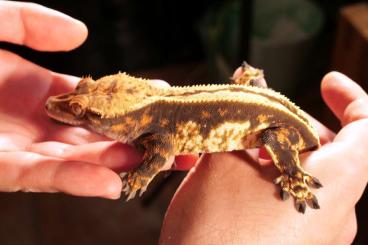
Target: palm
37,154
29,138
24,89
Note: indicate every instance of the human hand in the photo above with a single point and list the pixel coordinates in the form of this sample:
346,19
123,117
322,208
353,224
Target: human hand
229,198
37,154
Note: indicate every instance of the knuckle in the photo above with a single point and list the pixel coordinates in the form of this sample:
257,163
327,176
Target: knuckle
355,111
360,144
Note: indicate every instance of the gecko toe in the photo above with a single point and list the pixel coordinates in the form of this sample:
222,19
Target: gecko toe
298,187
284,194
314,182
143,189
300,205
313,202
131,195
133,182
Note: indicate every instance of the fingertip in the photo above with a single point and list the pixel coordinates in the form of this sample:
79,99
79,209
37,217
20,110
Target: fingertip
78,33
185,162
264,159
338,91
62,83
159,83
83,179
238,72
71,34
113,189
355,111
39,27
330,79
117,156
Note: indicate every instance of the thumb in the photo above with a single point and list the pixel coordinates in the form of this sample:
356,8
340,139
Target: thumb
346,99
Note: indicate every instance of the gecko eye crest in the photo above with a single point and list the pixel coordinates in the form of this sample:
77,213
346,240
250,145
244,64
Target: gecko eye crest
85,85
77,109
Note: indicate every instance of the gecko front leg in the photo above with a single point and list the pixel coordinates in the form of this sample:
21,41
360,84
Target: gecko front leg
282,144
157,150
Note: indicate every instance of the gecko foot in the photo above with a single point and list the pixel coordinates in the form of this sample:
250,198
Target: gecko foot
133,182
297,185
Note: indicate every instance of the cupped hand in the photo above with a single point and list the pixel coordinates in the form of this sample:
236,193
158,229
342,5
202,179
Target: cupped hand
36,153
229,198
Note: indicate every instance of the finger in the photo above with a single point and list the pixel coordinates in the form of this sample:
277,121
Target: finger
159,83
19,75
39,27
62,83
354,137
324,133
356,110
13,67
116,156
70,134
237,73
32,172
339,91
348,230
185,162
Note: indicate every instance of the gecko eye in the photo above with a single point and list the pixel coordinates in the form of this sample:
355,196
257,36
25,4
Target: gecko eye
77,109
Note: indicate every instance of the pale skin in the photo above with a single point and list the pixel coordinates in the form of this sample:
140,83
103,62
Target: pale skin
227,198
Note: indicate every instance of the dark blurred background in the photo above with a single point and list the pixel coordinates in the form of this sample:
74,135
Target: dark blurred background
188,42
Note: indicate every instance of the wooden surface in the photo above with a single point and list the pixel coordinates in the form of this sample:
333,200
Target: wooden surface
351,48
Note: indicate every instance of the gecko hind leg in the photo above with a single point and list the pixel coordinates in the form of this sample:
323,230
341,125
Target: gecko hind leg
157,150
282,145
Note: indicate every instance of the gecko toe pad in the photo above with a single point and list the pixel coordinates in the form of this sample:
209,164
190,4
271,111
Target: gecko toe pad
297,185
133,182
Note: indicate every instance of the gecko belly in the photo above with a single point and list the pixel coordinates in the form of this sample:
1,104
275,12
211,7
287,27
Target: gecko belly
227,136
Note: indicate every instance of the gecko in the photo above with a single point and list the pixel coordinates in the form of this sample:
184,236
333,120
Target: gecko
164,122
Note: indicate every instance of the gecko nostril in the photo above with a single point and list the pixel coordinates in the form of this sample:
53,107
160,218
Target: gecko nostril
47,106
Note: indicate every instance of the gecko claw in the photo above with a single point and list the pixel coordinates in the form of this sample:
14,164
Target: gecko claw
131,195
284,195
300,206
313,203
142,191
315,183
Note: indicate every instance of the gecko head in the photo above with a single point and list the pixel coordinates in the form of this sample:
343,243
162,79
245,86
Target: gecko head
106,98
71,107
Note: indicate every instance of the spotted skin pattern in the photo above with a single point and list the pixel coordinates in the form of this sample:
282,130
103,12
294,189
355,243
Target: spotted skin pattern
164,122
